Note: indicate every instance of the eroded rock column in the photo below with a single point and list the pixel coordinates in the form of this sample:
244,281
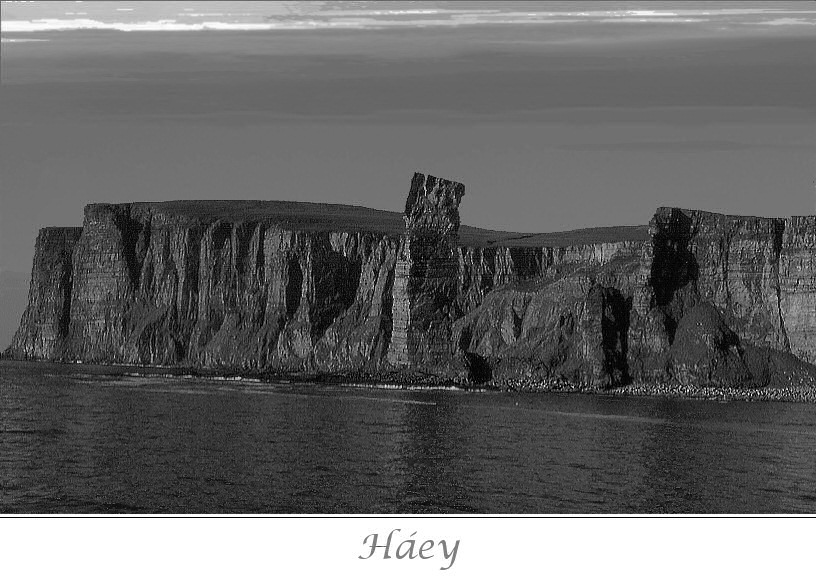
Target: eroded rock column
427,273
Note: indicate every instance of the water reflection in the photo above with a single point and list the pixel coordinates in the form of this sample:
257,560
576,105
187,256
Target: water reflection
433,458
79,441
722,458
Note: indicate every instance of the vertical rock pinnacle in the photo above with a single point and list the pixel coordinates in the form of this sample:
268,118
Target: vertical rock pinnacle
426,274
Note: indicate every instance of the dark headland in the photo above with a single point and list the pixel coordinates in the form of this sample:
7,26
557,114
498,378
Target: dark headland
695,304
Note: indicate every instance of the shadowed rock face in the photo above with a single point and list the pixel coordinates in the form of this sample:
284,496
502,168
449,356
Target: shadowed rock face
757,272
44,327
701,299
706,351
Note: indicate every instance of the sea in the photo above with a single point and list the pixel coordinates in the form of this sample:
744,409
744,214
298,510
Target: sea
97,440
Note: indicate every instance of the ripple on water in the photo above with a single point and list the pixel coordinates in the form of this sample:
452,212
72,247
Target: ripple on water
75,441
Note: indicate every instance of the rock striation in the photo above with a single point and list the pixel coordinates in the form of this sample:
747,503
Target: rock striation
698,299
44,326
426,274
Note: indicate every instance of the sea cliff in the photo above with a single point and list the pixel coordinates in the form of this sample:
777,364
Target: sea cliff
695,299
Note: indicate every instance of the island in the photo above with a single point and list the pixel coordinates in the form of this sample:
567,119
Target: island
695,303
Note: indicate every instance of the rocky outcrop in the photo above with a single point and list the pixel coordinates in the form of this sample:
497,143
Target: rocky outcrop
567,322
700,299
44,327
742,266
704,301
426,274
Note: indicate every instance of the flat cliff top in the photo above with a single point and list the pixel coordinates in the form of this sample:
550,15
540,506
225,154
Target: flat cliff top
667,211
329,217
564,238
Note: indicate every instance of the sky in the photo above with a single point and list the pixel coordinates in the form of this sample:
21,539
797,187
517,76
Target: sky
555,115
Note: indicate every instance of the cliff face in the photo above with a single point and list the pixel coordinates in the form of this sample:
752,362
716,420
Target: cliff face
44,326
709,299
156,288
797,286
701,299
757,273
563,316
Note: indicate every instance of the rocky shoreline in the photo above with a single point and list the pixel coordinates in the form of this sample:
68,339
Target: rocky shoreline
424,381
798,394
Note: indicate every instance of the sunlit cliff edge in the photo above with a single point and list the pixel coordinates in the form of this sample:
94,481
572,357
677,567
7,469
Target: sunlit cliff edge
695,299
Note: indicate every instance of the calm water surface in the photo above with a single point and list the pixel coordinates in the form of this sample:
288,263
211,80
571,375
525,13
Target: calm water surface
73,439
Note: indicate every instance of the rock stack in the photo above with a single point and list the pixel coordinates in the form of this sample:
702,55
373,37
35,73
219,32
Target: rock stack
426,277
